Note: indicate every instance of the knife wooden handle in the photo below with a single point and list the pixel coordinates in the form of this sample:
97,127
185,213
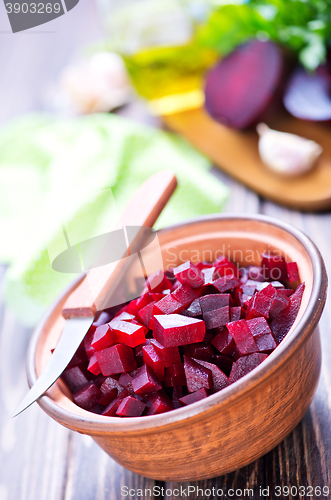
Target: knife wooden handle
142,210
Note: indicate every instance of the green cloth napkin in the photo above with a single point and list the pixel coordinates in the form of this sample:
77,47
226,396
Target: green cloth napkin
53,169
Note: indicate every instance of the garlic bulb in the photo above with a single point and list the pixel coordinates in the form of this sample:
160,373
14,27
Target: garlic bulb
286,154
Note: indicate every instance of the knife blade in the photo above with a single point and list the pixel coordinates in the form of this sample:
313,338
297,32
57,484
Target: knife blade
80,308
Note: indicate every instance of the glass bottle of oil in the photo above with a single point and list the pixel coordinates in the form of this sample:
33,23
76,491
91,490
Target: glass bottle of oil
156,39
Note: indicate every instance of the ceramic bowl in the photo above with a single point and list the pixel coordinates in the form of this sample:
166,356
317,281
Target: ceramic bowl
239,424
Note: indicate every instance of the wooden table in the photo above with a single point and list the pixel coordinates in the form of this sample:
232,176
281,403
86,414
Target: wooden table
39,459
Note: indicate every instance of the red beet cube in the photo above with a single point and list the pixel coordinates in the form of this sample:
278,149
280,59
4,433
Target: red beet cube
143,300
175,375
189,274
87,396
223,266
146,313
154,359
158,403
129,333
279,303
125,316
167,305
93,366
220,380
184,294
273,267
214,301
193,310
158,282
170,355
223,342
130,407
109,397
237,313
242,337
262,334
200,351
126,380
292,271
226,283
217,318
224,363
282,323
75,377
103,337
245,365
197,376
108,385
116,359
177,393
88,339
175,329
111,409
260,303
194,397
145,381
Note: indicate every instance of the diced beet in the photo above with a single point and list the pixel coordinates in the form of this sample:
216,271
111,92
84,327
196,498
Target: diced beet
189,274
111,409
307,95
87,396
214,301
287,292
175,375
145,381
154,359
237,313
245,365
125,380
260,303
193,310
177,393
197,376
93,366
158,282
242,337
88,339
109,397
194,397
125,316
116,359
103,337
220,380
130,407
129,333
292,271
217,318
75,377
170,355
273,266
143,300
158,403
224,363
167,305
279,303
79,357
282,323
184,294
262,334
175,329
107,387
226,283
224,267
145,314
200,351
204,265
244,85
223,342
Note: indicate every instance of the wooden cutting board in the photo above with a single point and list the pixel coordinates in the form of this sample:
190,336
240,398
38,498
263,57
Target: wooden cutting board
237,154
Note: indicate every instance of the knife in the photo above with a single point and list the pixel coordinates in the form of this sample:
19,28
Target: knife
80,308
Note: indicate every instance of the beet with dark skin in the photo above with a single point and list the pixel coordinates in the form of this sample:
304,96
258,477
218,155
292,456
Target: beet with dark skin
241,88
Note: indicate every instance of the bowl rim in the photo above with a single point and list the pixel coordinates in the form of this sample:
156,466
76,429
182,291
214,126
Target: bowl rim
92,423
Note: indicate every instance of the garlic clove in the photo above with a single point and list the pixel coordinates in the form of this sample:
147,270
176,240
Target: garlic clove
287,154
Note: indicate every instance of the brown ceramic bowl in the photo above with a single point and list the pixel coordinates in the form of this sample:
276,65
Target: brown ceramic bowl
242,422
